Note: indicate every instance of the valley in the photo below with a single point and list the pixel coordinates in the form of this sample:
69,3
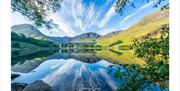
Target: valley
89,55
120,41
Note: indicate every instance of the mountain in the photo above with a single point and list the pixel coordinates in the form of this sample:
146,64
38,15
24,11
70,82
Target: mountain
26,29
147,25
86,37
30,31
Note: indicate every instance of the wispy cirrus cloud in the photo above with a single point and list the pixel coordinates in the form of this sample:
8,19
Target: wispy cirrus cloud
127,17
64,28
80,17
145,6
107,17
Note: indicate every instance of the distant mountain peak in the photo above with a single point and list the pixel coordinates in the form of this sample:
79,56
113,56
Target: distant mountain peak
26,29
88,35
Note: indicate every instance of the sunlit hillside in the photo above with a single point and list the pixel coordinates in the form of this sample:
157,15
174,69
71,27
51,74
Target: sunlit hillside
148,24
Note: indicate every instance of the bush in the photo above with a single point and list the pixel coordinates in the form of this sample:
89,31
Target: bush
116,43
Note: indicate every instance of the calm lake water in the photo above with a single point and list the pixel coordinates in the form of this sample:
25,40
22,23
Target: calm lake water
68,70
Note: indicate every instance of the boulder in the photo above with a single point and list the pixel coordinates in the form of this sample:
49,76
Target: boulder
14,76
38,86
18,86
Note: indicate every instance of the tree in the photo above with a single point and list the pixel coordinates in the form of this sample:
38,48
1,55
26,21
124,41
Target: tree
154,48
37,11
121,4
156,52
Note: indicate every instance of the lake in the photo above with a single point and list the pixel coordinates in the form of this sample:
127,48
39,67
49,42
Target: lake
70,70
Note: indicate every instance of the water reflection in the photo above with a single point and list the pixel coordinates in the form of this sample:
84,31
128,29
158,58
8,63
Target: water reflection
17,59
27,63
70,70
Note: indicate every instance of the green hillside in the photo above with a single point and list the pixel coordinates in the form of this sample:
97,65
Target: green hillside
22,45
148,24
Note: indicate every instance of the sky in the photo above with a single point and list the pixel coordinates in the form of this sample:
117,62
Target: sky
99,16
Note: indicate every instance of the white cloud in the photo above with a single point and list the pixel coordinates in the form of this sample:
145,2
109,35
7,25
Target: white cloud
76,17
77,10
107,17
84,16
63,26
145,6
127,17
80,14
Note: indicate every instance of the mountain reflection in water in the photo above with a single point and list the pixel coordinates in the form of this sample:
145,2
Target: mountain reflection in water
69,72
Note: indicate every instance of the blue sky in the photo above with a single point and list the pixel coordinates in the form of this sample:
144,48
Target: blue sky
99,16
